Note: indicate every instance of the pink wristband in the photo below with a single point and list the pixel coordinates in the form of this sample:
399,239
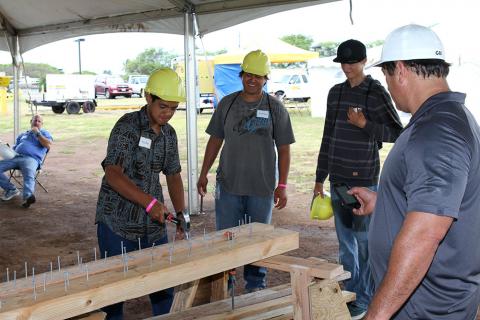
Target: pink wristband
150,205
282,185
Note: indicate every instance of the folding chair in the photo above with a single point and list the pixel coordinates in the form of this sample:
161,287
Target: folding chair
15,173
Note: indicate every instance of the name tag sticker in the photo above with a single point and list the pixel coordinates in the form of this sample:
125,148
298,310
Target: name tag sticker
145,142
262,114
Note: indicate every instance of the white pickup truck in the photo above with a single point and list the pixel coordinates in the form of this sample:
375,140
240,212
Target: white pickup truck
138,83
290,85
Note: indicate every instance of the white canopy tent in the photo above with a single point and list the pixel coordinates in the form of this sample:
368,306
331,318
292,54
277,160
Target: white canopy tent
28,24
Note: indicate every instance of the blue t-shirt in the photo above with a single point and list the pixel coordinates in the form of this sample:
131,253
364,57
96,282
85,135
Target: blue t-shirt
27,144
434,167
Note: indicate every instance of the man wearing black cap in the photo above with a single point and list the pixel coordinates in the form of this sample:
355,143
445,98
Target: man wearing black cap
360,116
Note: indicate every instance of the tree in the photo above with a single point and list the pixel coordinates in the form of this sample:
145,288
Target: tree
86,72
298,40
33,70
149,60
375,43
327,48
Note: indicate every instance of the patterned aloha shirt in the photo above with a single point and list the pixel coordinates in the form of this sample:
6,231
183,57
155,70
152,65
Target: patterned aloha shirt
141,165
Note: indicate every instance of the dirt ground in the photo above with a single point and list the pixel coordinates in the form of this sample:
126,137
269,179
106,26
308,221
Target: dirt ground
61,222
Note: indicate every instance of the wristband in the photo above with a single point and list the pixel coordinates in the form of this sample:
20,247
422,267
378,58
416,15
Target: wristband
282,186
150,205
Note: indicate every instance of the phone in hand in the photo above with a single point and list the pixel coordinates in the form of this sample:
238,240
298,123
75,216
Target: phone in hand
347,200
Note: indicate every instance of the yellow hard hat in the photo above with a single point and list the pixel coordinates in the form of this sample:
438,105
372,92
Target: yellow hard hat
321,208
256,62
166,84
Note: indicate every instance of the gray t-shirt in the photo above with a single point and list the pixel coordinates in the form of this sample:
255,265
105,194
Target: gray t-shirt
434,167
248,159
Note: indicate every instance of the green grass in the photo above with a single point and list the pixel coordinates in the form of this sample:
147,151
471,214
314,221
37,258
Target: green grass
89,129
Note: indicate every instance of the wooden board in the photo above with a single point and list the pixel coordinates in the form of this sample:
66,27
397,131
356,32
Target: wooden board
224,307
315,268
108,283
327,301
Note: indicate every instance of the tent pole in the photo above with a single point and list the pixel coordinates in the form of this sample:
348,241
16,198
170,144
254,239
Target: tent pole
15,52
191,111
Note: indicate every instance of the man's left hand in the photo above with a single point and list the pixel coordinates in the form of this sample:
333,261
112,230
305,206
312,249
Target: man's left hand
280,198
355,116
180,233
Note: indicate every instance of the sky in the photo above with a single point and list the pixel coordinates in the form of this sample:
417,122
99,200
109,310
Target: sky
454,21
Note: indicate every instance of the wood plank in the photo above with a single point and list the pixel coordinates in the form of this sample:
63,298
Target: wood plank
219,286
98,315
344,276
349,296
253,310
224,306
327,301
138,257
145,275
278,313
184,296
317,269
301,280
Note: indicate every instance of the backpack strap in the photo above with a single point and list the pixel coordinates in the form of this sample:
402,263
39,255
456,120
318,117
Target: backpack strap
269,109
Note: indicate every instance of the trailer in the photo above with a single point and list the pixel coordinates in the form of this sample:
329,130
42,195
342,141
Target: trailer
70,92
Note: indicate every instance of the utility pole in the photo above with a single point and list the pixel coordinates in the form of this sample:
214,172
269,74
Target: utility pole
79,55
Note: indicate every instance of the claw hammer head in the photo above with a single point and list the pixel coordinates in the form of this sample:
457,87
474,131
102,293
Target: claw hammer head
184,223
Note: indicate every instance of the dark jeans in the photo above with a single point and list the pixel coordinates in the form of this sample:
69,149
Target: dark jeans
352,234
229,210
111,242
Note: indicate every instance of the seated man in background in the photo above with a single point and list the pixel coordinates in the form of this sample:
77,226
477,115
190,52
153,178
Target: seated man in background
30,148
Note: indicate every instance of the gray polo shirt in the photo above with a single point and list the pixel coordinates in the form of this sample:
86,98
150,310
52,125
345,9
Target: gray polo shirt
250,131
434,167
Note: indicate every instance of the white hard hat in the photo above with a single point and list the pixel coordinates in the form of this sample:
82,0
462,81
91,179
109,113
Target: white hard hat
6,153
411,42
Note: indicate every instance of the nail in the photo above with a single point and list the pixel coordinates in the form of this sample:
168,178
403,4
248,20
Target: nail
34,284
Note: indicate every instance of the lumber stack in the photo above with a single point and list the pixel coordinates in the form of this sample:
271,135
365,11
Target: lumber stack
149,270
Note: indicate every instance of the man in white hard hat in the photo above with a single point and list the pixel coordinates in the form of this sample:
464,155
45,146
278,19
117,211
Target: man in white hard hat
131,208
250,124
30,148
360,117
423,238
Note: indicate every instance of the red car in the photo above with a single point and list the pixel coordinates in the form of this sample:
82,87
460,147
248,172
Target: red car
111,87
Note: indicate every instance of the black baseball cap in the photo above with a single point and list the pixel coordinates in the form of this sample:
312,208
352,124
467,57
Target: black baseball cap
351,51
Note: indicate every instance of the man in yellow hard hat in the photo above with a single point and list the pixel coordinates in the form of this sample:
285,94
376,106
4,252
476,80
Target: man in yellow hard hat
249,124
131,208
